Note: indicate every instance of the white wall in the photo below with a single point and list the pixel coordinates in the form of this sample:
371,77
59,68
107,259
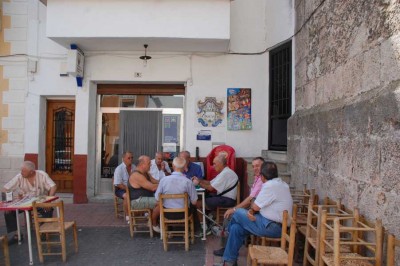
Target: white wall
205,19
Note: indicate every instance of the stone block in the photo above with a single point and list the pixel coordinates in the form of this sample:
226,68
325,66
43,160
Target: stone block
15,34
12,149
16,110
390,59
18,84
5,163
15,71
19,47
389,163
299,98
371,74
309,94
12,123
17,137
19,21
366,156
14,96
13,8
16,163
352,76
300,71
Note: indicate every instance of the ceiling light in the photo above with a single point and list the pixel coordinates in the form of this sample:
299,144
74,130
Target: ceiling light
145,57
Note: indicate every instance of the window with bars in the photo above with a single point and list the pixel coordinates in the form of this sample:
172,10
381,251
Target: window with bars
63,140
280,98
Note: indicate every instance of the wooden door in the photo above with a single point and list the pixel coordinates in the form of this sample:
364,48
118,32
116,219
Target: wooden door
60,143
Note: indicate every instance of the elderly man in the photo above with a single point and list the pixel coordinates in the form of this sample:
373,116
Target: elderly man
121,176
159,168
29,182
177,183
264,217
191,169
141,189
225,184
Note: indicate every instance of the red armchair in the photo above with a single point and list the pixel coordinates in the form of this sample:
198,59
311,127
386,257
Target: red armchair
231,159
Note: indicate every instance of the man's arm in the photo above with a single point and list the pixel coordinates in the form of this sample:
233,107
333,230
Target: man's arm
118,179
144,183
244,204
52,191
204,184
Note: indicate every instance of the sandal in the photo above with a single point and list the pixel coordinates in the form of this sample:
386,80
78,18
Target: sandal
14,239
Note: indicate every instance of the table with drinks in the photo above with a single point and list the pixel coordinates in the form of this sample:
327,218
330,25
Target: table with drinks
17,204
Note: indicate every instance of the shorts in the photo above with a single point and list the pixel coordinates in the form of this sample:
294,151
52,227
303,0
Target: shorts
119,192
144,203
219,201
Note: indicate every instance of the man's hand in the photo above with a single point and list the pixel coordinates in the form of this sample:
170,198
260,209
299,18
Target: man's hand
228,213
250,215
195,180
163,166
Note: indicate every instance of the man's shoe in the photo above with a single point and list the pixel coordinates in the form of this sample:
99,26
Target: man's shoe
14,240
156,228
219,252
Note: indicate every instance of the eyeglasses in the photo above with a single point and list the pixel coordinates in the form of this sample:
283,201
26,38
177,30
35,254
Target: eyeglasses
129,157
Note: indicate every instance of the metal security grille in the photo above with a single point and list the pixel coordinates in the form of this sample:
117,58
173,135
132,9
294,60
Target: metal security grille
63,140
280,75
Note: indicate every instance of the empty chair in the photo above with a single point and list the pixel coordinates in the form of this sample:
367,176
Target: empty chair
139,219
186,221
276,255
47,228
357,235
391,246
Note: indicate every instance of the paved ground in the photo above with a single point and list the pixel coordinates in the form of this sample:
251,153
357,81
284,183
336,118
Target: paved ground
105,240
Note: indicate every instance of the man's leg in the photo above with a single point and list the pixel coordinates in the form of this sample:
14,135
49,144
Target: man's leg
155,215
237,235
11,221
125,203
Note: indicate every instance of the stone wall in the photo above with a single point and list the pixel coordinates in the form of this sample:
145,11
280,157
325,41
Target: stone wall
344,137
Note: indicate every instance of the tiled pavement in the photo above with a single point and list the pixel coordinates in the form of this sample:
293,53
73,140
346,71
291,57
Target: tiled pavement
105,240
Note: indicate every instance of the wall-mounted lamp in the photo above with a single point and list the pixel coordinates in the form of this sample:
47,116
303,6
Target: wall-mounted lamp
145,57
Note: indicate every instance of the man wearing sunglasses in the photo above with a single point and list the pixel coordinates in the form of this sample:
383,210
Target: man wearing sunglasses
121,176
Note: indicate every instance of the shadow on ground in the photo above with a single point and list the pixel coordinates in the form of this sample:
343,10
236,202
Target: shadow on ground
113,246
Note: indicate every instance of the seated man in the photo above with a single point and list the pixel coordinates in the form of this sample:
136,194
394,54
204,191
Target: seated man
264,217
29,182
121,176
141,189
177,183
191,169
225,184
159,168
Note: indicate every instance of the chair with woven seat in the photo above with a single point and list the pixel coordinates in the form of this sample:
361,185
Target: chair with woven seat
359,236
301,199
391,246
4,243
312,236
118,203
221,210
139,219
276,255
54,226
187,221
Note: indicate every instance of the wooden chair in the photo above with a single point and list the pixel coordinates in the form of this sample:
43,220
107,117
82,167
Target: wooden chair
139,219
4,242
53,226
357,235
276,255
118,203
391,245
187,221
301,199
313,228
221,210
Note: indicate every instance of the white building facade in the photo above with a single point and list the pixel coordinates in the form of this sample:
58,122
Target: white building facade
198,48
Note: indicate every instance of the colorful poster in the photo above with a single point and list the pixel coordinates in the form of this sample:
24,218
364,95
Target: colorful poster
239,109
210,112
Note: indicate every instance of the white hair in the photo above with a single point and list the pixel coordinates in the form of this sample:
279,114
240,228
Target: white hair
29,165
179,162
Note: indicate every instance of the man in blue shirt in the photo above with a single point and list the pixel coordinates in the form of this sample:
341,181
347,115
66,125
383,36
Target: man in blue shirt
191,169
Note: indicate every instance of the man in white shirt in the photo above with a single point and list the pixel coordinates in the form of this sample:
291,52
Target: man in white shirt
29,182
159,168
121,177
224,184
273,199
